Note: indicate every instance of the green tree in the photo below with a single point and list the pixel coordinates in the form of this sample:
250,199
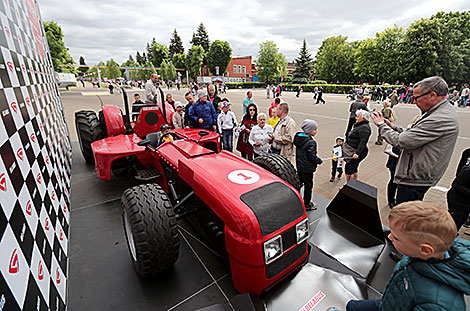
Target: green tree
176,45
335,60
59,53
179,60
112,70
367,60
201,38
139,58
159,53
82,69
304,63
454,30
220,54
271,64
163,72
195,60
172,71
419,53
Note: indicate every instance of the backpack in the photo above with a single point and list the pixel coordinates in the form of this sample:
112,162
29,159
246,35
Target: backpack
393,116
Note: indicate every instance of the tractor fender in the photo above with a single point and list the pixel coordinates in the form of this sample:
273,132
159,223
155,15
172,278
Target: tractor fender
113,120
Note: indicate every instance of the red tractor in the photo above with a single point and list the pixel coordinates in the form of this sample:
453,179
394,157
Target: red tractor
252,210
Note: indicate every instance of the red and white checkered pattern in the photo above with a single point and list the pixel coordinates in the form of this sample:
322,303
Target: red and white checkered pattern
35,166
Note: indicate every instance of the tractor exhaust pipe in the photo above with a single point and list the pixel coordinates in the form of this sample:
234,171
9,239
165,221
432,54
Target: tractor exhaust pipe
127,120
163,104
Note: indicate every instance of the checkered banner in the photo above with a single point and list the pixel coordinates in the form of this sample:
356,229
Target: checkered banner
35,166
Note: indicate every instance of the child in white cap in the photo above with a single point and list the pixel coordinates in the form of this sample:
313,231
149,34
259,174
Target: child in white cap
178,116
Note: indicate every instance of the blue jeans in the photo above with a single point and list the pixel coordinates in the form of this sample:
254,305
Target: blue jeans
410,193
227,140
363,305
463,101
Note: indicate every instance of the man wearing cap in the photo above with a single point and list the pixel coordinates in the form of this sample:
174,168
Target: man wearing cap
306,159
226,122
282,139
202,113
151,90
178,116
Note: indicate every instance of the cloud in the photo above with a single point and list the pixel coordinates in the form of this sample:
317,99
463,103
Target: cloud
100,30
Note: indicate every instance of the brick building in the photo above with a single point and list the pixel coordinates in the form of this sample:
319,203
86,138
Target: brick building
241,69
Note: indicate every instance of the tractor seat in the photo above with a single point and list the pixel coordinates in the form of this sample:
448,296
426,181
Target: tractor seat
153,137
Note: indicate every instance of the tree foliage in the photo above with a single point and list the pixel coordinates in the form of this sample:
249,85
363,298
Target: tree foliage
194,60
304,63
176,45
112,70
82,70
159,53
59,53
220,54
139,58
201,38
271,64
179,61
335,60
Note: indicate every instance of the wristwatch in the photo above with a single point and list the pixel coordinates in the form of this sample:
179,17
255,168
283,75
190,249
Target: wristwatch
380,123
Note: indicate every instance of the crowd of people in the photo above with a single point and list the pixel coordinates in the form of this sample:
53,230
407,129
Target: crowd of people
418,157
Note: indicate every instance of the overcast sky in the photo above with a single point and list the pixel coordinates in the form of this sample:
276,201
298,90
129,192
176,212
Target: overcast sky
100,30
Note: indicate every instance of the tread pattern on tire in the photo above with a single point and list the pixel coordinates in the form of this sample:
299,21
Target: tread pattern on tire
154,228
279,166
88,130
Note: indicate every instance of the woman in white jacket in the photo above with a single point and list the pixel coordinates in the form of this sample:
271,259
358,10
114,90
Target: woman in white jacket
259,136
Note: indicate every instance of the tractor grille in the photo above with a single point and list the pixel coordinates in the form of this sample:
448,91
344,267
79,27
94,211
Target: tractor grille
274,205
286,261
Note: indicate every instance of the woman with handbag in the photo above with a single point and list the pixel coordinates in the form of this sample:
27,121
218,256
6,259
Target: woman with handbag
356,144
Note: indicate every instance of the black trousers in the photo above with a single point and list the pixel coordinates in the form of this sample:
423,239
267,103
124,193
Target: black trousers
407,193
459,211
306,179
391,187
320,98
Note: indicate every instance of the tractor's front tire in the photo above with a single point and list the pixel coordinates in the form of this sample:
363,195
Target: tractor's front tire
279,166
88,130
151,229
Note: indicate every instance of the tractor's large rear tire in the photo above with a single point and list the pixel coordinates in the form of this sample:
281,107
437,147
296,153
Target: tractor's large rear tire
279,166
151,229
88,130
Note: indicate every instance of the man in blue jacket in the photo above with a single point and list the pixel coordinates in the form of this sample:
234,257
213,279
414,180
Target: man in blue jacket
202,113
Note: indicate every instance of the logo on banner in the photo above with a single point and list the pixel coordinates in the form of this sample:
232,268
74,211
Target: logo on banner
53,195
19,153
22,65
47,224
38,178
28,208
14,107
10,66
65,208
7,30
33,137
3,182
28,102
40,271
57,279
312,303
61,235
14,263
47,159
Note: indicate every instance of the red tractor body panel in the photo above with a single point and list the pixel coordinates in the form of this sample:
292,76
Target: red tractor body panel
151,118
220,180
114,121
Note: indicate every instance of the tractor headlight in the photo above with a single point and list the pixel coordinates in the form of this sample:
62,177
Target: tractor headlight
272,249
301,230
